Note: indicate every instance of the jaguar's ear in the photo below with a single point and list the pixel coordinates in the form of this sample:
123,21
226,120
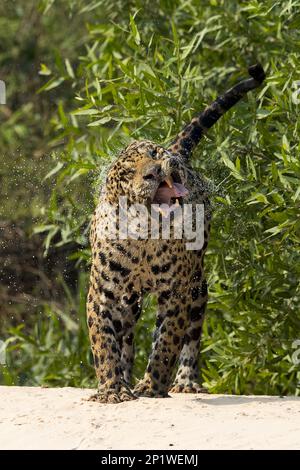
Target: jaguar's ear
189,137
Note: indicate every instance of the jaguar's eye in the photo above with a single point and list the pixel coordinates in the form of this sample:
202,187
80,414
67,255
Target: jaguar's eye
152,153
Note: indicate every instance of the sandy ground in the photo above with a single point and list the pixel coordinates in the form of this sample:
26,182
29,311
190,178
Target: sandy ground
61,418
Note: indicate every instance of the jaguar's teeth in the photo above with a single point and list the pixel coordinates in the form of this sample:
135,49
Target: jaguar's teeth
177,202
169,181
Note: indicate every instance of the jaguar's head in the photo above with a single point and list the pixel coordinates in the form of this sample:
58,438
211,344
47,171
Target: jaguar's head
147,173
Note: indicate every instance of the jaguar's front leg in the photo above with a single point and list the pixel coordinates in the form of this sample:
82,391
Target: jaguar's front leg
170,328
105,329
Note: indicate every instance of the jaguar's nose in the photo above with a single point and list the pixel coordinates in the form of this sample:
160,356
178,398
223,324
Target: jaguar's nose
170,164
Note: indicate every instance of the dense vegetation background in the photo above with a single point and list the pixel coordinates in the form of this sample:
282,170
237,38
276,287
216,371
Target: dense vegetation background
85,77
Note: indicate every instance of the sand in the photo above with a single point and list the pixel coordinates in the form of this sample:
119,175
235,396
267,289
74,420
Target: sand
61,418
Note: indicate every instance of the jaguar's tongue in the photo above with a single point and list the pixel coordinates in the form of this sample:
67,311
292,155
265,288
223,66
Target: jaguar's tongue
165,192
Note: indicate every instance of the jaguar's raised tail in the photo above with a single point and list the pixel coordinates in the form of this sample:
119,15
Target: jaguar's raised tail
189,137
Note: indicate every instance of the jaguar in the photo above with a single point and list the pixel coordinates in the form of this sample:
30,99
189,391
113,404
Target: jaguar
125,269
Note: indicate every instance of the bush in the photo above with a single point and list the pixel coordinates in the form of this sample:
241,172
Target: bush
142,72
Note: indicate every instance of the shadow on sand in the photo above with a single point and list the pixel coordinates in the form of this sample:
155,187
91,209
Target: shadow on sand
241,400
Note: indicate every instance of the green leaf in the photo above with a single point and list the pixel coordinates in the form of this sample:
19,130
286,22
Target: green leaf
54,170
85,112
100,122
69,68
263,113
44,70
134,30
53,83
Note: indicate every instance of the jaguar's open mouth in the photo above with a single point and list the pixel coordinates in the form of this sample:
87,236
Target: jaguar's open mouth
170,191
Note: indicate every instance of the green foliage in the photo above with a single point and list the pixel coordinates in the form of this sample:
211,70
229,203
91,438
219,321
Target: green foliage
56,350
29,38
142,71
